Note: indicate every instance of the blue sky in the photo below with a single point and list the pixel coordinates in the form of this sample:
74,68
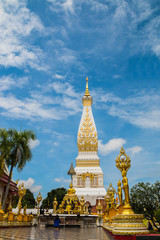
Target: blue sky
47,48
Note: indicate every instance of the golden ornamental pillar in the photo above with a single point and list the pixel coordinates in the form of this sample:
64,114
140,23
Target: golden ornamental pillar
38,199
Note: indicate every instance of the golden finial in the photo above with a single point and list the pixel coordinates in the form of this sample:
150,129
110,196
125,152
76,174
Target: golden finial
87,94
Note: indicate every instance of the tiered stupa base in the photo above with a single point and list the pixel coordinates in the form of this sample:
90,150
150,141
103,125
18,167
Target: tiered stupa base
127,224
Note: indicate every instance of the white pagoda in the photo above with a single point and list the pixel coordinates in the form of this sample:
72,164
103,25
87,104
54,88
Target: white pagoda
88,176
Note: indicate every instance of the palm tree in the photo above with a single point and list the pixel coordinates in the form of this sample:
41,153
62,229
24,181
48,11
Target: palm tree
16,153
4,148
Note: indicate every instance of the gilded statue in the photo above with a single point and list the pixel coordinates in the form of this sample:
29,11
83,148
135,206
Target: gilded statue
68,207
82,205
112,200
125,187
71,190
55,203
107,201
119,192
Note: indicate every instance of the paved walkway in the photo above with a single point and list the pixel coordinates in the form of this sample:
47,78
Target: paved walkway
50,233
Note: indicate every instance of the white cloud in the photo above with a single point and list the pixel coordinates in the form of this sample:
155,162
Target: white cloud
58,76
110,146
56,144
139,108
29,184
34,143
116,76
8,82
134,150
68,6
65,88
62,180
17,23
65,103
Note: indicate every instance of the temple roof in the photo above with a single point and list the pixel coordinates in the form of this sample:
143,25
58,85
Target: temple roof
71,170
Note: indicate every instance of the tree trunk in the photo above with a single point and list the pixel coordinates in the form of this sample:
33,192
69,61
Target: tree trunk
7,189
9,180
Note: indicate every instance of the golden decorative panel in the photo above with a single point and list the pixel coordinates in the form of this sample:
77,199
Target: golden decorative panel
87,136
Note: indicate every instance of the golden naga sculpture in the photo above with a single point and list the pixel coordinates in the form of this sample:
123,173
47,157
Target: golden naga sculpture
119,192
82,205
38,199
123,163
55,203
21,193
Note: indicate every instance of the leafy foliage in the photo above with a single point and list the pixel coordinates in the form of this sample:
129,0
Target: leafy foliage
58,193
28,199
145,199
157,216
15,151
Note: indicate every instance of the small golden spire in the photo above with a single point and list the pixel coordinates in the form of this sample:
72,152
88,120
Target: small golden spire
87,94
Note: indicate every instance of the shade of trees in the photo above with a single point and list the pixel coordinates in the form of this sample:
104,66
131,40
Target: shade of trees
58,193
15,151
145,199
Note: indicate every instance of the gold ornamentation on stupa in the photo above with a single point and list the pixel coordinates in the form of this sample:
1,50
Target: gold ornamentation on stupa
87,174
87,136
87,99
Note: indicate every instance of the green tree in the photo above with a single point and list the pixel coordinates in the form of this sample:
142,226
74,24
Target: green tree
145,199
4,148
18,151
58,193
28,199
157,216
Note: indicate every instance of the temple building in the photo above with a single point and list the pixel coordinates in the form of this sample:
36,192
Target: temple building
13,189
88,175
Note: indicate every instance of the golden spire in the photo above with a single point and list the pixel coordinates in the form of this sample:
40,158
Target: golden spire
87,94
